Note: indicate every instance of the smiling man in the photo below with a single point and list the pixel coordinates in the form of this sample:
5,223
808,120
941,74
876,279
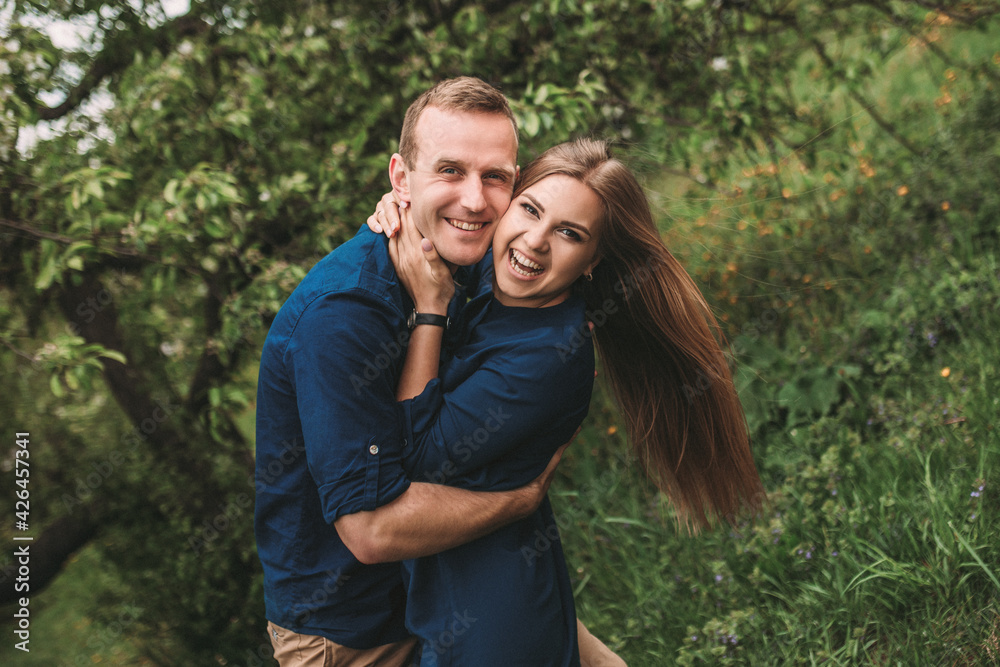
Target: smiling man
457,189
334,510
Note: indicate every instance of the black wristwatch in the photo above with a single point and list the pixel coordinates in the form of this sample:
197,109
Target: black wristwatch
426,318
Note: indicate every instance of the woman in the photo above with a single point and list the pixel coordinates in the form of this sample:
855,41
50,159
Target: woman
578,239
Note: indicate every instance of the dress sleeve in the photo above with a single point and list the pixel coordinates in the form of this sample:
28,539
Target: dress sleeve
511,399
343,355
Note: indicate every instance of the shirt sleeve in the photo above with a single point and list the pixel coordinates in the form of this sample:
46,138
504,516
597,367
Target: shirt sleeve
512,398
344,354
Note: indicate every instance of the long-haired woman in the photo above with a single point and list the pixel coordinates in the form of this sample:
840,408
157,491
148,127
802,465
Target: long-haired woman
577,262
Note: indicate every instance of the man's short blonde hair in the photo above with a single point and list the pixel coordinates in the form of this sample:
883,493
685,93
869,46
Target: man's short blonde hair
465,93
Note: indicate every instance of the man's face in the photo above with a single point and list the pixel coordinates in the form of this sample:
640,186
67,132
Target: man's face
461,182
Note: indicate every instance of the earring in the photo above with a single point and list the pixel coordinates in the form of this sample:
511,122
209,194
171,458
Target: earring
590,276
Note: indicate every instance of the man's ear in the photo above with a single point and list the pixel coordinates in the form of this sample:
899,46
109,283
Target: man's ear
399,177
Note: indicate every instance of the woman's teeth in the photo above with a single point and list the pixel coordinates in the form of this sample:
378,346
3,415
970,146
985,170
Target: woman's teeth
523,265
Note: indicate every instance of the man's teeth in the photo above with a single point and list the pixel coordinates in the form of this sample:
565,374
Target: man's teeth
466,226
521,264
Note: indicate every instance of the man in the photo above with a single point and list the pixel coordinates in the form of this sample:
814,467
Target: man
328,441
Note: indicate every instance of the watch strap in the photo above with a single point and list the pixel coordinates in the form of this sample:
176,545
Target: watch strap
428,318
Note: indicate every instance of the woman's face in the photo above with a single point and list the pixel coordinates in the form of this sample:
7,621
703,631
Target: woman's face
545,241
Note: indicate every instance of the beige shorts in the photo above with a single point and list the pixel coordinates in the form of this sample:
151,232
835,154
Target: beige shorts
292,649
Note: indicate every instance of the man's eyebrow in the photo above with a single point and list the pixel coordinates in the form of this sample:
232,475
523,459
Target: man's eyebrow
452,162
506,171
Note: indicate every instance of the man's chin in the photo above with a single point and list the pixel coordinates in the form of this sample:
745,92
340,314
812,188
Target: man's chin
463,257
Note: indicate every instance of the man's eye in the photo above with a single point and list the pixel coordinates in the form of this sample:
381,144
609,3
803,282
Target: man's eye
449,170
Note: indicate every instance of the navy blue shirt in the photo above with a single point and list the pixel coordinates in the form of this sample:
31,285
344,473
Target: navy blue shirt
329,443
505,401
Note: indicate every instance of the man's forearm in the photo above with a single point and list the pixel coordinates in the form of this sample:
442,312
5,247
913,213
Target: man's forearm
430,518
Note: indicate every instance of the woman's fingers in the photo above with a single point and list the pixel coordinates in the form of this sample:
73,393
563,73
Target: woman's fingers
390,209
386,218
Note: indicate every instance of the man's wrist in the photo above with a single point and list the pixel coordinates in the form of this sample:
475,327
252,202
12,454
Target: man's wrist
418,317
436,307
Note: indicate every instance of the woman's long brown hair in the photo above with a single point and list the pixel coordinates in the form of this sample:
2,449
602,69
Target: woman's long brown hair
661,348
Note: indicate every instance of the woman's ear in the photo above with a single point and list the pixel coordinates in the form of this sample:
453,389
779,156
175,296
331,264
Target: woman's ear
399,177
592,265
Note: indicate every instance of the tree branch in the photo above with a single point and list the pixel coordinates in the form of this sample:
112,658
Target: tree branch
128,383
118,53
868,106
60,540
67,240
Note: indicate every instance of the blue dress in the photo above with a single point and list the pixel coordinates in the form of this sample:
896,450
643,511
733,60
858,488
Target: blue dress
514,391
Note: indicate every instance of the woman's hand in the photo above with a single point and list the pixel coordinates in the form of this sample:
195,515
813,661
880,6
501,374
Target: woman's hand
422,272
386,216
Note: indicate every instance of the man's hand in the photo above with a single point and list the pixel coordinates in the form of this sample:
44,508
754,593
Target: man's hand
534,492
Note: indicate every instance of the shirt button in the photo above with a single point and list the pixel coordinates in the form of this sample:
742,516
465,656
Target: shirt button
373,449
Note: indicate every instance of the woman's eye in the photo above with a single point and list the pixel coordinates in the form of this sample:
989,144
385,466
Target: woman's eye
569,233
531,210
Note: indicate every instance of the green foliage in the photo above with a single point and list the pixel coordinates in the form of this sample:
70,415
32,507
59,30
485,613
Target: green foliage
827,174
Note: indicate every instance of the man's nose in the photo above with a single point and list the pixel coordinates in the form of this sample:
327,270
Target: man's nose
472,198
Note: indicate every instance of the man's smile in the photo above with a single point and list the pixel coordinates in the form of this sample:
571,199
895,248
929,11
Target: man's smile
465,226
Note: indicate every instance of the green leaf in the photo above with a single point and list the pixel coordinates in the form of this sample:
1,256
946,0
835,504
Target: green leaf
542,94
94,189
47,275
170,191
114,355
531,124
